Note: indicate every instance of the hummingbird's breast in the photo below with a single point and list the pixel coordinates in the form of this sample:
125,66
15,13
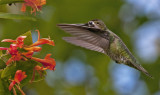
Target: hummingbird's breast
118,51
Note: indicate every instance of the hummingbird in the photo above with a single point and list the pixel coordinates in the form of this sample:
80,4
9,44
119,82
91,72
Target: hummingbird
94,35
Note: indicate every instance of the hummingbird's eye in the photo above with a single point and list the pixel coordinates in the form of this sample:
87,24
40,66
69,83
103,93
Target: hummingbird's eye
91,23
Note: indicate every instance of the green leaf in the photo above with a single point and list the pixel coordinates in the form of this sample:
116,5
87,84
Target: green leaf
28,40
39,77
10,1
1,53
4,86
2,64
9,71
5,57
16,16
28,66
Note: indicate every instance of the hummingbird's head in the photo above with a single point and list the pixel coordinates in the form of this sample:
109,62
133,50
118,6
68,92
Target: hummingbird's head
97,24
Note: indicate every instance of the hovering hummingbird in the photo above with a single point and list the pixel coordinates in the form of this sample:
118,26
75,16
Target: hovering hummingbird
95,36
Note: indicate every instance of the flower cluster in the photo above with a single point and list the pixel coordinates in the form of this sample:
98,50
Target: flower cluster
19,51
36,5
19,76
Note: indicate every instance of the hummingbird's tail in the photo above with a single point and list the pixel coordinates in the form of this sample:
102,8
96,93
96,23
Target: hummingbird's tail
139,67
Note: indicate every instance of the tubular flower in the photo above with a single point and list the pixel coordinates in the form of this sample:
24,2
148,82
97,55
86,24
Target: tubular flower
35,49
15,58
39,68
28,54
42,41
3,48
15,54
36,5
12,50
19,41
47,62
19,76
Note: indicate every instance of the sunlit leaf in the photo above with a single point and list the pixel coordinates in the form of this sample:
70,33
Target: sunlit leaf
9,70
10,1
3,86
17,16
28,40
2,63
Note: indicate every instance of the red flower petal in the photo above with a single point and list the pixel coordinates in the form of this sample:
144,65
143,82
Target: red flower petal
35,49
19,41
39,68
8,40
11,85
19,76
13,49
28,54
46,62
42,41
34,4
3,48
23,9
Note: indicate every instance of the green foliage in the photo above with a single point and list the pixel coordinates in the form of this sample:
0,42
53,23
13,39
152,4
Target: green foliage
17,16
10,1
28,40
9,71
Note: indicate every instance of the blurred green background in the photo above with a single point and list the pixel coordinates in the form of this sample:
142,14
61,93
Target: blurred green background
83,72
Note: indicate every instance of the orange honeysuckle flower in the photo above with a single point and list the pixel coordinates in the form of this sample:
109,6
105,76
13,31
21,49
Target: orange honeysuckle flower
36,5
8,40
28,54
47,62
3,48
15,55
39,68
34,48
18,41
12,50
19,76
14,58
42,41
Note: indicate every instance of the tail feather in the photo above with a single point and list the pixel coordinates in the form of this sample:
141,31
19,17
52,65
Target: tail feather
139,67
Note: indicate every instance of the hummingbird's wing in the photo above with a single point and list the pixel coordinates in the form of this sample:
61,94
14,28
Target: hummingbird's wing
84,37
81,43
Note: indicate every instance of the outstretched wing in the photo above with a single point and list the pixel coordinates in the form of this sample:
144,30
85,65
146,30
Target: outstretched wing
84,37
81,43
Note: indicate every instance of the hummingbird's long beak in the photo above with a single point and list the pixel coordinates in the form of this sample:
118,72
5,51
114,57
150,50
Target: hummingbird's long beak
78,25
